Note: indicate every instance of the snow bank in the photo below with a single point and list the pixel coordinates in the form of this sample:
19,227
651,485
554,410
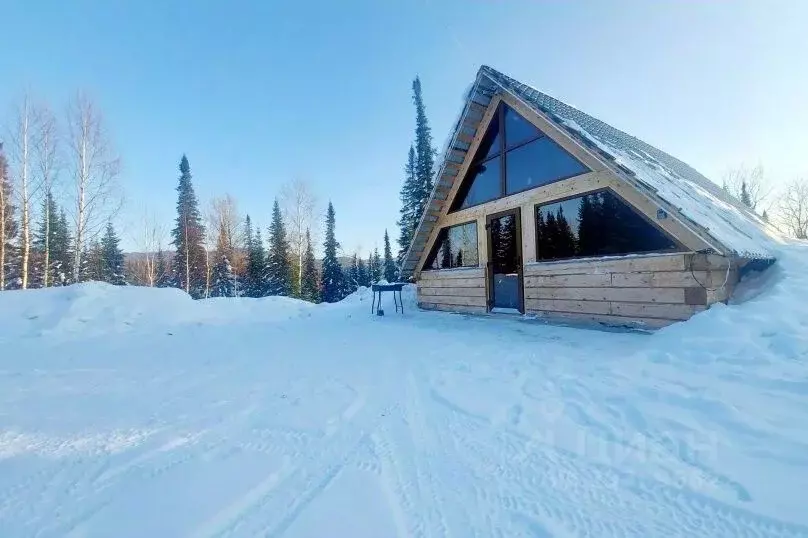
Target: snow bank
96,308
212,421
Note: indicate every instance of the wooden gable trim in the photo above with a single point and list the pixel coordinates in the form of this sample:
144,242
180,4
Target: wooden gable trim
602,175
463,167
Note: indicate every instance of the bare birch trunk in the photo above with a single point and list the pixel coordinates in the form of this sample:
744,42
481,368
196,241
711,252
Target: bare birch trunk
95,169
21,157
46,151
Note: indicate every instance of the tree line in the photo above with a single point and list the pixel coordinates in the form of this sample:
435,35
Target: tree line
59,195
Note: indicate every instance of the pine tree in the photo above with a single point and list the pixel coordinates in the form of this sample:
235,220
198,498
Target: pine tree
224,280
390,272
746,199
308,287
351,282
61,250
409,205
425,153
188,237
42,244
163,279
332,278
112,260
8,228
765,216
362,273
279,268
92,263
255,271
375,266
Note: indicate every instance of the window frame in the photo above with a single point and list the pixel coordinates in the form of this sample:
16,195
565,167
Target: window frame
499,117
680,247
436,245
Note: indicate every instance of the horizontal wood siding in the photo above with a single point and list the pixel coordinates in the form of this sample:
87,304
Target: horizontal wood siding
644,291
453,290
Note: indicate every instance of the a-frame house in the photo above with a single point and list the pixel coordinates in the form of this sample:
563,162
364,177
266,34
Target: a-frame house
539,208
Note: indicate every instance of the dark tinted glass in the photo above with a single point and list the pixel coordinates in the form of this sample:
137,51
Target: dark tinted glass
491,143
518,129
539,163
597,224
483,184
505,261
455,247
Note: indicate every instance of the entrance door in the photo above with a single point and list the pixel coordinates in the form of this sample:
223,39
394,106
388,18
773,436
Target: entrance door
505,261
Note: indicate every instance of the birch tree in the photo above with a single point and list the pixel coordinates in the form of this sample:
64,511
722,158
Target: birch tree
94,168
145,269
749,185
300,214
21,155
793,209
46,143
7,225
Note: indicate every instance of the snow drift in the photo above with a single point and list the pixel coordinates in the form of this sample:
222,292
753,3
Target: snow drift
136,412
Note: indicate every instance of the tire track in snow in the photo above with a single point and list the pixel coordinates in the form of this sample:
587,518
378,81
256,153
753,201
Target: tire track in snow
276,502
593,499
423,454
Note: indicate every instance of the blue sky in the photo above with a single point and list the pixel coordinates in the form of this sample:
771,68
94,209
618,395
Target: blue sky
257,93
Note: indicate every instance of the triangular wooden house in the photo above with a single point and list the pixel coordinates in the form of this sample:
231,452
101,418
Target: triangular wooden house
539,208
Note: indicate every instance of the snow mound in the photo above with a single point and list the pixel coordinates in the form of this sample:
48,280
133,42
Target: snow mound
96,308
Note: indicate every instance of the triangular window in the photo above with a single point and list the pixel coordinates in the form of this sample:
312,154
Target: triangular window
517,128
513,156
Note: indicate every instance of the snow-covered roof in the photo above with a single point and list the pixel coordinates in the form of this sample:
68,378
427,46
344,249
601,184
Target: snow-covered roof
716,215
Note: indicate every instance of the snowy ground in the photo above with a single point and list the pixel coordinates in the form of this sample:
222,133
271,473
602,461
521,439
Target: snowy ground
134,413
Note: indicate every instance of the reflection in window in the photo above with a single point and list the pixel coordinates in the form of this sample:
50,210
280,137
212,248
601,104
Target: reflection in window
596,224
531,160
455,247
538,163
517,128
484,183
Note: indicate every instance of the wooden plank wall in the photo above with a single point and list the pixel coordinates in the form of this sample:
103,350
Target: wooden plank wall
646,291
453,290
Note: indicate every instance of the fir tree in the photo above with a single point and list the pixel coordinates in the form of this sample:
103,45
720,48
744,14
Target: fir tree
374,266
765,216
352,280
390,272
92,263
163,276
40,244
112,260
279,269
255,271
425,153
308,287
746,199
362,273
224,280
188,237
332,279
61,250
409,205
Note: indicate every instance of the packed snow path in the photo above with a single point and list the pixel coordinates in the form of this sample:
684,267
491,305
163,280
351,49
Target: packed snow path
134,413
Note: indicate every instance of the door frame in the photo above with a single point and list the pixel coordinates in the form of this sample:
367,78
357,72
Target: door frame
489,269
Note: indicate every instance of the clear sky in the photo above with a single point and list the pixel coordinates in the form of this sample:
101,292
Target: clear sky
259,92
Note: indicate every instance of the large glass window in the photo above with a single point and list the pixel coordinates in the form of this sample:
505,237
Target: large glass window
456,246
595,224
514,155
538,163
484,183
